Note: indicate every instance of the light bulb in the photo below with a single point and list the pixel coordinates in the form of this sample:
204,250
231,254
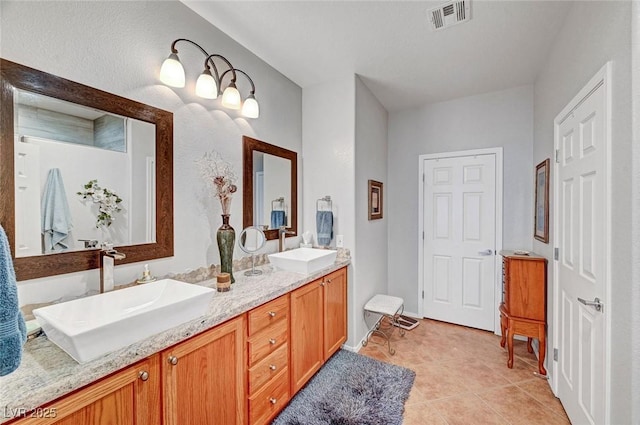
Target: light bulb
231,97
172,72
250,108
206,85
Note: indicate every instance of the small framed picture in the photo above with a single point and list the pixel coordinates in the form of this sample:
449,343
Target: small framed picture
541,225
375,200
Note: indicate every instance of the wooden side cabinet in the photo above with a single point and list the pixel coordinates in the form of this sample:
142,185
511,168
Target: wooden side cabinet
523,308
318,325
128,397
204,378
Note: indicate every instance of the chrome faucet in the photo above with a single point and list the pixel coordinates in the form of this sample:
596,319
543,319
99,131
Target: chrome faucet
108,257
282,232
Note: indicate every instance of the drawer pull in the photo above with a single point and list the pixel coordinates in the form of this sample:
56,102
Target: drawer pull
273,400
143,375
322,283
272,313
173,360
272,367
328,281
272,341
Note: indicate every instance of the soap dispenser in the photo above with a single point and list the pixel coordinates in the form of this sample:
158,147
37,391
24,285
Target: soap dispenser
146,276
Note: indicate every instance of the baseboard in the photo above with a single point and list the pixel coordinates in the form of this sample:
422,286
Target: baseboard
353,349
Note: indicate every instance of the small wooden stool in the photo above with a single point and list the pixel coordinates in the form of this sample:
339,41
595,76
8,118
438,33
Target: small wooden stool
386,306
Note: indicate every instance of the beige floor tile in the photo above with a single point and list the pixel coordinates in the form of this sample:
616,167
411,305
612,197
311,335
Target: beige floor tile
467,409
462,378
422,414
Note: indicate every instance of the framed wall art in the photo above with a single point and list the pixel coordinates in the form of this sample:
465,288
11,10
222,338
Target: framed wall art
375,200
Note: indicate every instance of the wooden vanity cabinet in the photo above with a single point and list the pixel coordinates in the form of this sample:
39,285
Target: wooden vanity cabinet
128,397
268,360
523,308
318,325
335,311
242,371
203,378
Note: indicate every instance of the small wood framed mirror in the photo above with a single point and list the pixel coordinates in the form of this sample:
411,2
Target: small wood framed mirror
270,187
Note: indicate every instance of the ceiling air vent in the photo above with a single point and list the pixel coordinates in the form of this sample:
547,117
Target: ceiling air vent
449,14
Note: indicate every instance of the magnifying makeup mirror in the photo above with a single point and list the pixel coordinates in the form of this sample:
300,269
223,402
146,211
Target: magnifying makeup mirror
251,240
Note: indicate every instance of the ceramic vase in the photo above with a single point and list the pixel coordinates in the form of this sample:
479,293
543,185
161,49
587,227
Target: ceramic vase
226,237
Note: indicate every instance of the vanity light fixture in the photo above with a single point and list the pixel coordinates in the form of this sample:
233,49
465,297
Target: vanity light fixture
209,83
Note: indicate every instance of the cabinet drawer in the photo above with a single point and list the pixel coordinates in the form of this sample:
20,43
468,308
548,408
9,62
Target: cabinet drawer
267,402
267,314
267,341
268,367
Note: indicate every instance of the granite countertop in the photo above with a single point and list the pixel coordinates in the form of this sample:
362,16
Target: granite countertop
48,373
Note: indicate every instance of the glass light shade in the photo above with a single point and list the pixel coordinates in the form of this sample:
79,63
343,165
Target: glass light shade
231,97
250,108
172,72
206,85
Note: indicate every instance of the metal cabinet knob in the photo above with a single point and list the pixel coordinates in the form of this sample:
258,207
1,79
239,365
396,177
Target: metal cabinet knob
272,367
273,400
328,280
173,360
272,313
143,375
272,341
322,283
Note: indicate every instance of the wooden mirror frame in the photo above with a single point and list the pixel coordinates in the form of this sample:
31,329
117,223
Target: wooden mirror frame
249,145
29,79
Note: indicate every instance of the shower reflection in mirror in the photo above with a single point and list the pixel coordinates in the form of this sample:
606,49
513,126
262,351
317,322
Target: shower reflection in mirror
83,177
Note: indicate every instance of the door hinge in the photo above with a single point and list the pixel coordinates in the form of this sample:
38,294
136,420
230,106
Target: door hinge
556,254
557,155
422,177
423,235
423,295
555,354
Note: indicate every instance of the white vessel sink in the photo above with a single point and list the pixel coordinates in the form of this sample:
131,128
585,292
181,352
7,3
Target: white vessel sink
90,327
303,260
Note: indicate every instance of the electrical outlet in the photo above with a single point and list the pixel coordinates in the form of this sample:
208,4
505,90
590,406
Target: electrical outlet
340,241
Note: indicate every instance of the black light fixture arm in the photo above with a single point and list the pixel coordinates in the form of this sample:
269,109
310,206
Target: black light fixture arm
234,70
208,60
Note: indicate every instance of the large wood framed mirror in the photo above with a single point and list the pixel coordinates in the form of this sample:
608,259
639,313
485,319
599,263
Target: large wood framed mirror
56,136
270,187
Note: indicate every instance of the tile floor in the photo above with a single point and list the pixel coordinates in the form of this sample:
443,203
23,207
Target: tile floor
462,378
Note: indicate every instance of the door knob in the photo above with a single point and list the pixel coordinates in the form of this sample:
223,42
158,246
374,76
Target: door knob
143,375
595,303
486,252
173,360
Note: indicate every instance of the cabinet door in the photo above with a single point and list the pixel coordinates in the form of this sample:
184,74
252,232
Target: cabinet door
307,351
204,378
128,397
335,311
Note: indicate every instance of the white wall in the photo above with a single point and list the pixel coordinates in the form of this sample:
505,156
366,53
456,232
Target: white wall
503,118
328,153
121,51
635,260
371,236
576,57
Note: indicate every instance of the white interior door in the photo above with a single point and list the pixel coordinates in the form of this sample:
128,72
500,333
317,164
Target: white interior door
582,265
460,240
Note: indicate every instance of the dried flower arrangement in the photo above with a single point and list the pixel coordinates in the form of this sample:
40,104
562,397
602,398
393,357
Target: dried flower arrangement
220,173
